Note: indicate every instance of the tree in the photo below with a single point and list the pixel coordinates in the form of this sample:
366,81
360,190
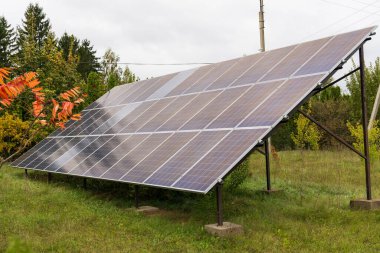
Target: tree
69,45
32,36
88,62
46,112
307,134
128,76
7,42
35,26
95,86
372,79
111,71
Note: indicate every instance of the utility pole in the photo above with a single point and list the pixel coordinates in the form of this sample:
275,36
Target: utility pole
261,26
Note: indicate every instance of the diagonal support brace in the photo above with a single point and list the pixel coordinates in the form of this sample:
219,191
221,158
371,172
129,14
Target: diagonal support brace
332,134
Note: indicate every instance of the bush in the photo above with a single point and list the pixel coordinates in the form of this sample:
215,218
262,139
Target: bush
237,176
373,139
12,131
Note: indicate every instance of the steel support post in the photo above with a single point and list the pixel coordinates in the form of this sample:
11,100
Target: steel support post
85,183
219,204
49,177
136,196
26,173
267,164
365,124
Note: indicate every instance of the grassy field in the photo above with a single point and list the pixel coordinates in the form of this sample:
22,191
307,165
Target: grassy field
310,215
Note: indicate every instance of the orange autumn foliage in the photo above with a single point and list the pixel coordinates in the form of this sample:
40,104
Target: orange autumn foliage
60,109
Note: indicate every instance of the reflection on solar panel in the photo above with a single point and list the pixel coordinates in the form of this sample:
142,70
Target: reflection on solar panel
188,130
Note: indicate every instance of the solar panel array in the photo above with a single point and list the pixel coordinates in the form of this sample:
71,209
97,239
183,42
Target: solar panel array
187,130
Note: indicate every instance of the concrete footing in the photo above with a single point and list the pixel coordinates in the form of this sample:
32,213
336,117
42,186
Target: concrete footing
147,210
228,229
365,204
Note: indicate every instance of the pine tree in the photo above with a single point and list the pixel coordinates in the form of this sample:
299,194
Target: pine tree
7,43
35,26
69,44
88,62
31,38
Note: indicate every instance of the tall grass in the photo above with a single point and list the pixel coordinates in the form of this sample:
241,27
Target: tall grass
311,214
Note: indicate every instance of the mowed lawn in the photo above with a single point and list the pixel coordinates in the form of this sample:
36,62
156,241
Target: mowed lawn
310,215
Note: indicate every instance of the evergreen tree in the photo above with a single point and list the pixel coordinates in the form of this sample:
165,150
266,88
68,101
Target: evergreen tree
69,45
35,26
7,43
31,38
88,62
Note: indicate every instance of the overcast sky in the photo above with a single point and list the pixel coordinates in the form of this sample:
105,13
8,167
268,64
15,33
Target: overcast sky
172,31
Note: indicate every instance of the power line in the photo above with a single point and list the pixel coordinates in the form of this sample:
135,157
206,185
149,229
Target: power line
153,64
353,8
342,19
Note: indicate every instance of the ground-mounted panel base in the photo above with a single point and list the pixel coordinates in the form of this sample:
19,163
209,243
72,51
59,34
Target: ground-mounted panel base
147,210
364,204
228,229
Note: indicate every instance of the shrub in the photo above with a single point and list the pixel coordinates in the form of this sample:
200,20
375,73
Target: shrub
373,139
237,176
12,131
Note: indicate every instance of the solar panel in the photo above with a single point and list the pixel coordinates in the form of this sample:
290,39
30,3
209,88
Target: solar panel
188,130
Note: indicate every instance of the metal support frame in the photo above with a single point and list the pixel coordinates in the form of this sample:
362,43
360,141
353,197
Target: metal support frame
26,173
267,164
365,156
365,124
49,177
219,204
84,183
136,196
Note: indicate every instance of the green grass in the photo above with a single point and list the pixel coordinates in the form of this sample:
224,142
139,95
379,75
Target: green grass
310,215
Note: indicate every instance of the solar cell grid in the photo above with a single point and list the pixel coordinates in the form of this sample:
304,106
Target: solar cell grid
236,71
70,164
277,105
234,114
188,111
166,113
213,109
211,76
153,110
191,80
158,157
135,156
185,158
269,60
219,159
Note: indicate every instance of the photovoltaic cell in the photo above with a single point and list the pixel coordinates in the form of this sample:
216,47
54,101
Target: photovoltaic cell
135,156
186,158
219,160
188,111
158,157
188,130
268,61
166,113
234,114
281,101
334,52
211,76
147,115
191,80
236,71
213,109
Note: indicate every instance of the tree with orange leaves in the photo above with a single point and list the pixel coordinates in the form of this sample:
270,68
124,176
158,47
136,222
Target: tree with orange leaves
46,112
